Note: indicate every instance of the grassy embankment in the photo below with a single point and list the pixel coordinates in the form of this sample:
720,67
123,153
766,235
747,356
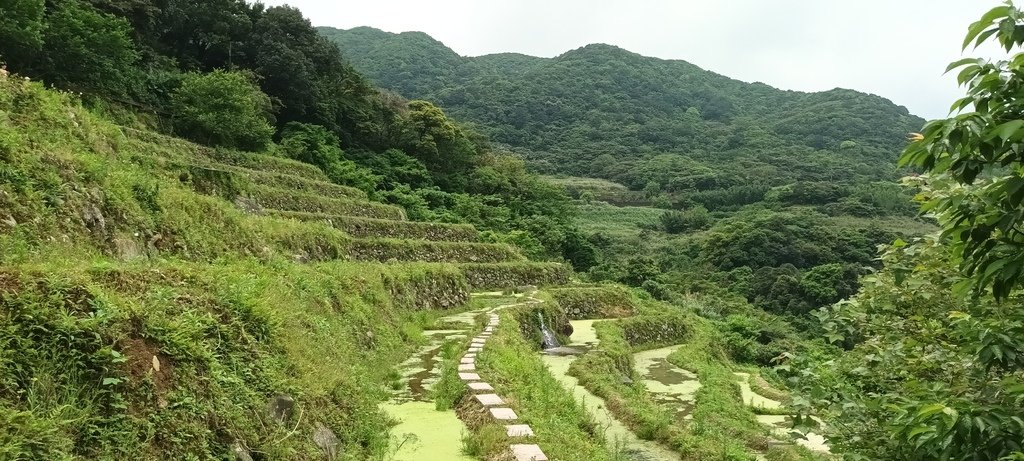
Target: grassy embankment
722,426
153,299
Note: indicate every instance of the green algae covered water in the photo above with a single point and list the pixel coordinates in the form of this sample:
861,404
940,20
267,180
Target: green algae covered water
669,385
780,424
425,434
617,435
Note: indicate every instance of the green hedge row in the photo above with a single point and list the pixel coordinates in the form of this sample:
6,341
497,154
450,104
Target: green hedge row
384,250
247,179
267,163
280,199
594,302
384,228
509,275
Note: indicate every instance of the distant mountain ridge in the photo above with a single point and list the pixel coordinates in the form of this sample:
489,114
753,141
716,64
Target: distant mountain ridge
569,113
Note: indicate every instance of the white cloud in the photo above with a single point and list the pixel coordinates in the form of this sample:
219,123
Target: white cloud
897,49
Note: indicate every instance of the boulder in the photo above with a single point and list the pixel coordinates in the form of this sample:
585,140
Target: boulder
241,453
324,438
280,408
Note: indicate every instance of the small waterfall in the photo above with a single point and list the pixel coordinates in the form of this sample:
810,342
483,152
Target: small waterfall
548,340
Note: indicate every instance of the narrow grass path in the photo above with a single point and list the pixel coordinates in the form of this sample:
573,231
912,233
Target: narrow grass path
722,421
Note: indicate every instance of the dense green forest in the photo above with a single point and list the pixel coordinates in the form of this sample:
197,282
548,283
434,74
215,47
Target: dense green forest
776,198
602,111
234,74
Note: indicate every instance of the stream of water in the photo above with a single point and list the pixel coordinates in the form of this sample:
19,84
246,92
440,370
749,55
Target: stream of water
617,435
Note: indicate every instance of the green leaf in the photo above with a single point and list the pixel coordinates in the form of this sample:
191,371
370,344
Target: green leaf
964,62
967,74
930,410
1006,130
985,36
112,381
919,430
976,29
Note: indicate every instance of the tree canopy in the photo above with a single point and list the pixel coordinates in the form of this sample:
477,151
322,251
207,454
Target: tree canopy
933,349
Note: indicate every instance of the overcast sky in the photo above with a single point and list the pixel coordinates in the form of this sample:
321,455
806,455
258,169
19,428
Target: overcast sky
894,48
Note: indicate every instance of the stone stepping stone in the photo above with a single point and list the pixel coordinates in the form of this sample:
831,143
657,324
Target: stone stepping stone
489,400
468,360
524,452
518,430
475,349
469,376
481,387
471,355
505,414
488,329
479,340
467,367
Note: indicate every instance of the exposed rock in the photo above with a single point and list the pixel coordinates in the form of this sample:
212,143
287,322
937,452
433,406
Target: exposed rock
324,438
151,245
8,221
241,453
625,380
281,408
248,205
93,218
525,289
127,248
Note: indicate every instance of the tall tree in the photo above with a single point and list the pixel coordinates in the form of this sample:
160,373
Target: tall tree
87,49
976,160
223,108
21,31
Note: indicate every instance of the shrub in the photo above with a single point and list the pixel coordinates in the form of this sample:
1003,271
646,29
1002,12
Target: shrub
222,108
315,145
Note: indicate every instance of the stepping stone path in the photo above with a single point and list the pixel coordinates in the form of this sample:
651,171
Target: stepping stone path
484,393
528,453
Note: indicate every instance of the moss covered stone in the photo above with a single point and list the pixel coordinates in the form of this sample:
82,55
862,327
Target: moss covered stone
421,250
594,302
508,275
386,228
282,199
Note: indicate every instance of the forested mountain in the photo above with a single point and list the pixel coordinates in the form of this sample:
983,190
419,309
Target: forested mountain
606,112
777,198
